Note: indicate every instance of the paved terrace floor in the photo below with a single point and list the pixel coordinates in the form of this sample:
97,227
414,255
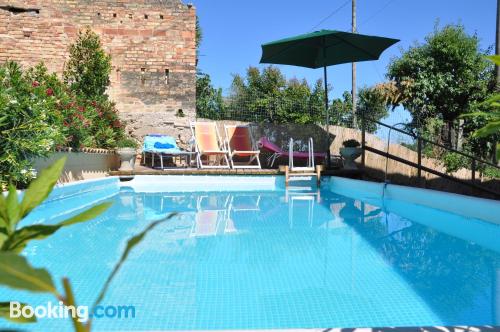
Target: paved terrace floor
143,170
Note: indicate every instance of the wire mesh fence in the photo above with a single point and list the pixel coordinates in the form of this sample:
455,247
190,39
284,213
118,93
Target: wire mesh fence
303,115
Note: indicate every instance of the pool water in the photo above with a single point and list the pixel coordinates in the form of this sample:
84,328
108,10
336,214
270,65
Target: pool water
265,259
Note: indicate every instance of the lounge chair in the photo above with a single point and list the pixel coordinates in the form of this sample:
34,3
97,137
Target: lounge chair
160,146
277,152
211,215
240,144
208,145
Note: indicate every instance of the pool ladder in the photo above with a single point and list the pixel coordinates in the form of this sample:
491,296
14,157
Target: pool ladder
311,170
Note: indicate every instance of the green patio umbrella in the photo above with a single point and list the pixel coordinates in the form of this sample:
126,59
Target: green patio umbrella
325,48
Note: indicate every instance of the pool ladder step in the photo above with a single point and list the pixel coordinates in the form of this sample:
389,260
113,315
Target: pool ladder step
299,172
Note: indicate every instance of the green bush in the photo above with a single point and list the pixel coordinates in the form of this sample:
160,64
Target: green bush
29,122
39,112
127,143
351,143
87,71
454,161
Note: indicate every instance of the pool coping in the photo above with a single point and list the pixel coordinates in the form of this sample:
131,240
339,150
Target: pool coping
455,328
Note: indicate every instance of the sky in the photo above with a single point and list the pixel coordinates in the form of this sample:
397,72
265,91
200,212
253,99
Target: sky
233,31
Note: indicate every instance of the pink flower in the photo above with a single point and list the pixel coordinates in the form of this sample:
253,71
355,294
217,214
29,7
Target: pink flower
35,84
49,92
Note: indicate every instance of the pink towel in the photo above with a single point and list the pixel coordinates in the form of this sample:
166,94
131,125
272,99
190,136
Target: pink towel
270,146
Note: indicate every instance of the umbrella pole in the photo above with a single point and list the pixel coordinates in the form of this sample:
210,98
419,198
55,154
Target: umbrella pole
327,118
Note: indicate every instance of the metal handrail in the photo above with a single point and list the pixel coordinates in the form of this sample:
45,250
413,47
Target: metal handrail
419,165
432,142
388,146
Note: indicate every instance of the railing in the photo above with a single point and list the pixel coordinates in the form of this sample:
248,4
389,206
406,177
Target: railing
418,165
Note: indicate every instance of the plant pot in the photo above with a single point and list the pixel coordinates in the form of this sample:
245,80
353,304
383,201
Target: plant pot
350,155
127,158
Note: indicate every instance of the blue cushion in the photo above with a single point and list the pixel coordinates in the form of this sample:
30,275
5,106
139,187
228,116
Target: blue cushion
159,145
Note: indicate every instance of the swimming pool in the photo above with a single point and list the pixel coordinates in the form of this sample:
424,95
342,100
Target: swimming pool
244,253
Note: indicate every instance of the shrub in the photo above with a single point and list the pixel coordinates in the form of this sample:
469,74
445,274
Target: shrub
454,161
351,143
29,121
87,71
127,143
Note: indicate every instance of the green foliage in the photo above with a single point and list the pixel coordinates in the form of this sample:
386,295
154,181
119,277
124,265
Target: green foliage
442,78
371,103
29,121
17,273
87,71
454,161
351,143
198,38
5,313
209,101
12,211
39,112
127,143
491,116
267,96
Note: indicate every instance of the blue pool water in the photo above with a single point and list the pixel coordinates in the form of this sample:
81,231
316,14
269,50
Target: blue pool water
269,258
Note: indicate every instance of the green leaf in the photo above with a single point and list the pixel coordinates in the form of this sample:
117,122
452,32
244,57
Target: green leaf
20,238
41,187
5,313
13,208
87,214
131,243
16,272
494,58
4,219
490,128
3,236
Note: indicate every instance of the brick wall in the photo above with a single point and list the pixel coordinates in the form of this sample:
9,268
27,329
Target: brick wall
152,44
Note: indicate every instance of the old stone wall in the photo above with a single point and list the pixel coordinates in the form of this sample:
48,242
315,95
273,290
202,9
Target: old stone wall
152,44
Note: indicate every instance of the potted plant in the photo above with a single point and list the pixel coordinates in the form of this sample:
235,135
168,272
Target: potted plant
127,150
350,152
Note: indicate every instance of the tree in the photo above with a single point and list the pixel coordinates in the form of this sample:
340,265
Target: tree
198,38
87,71
267,96
209,101
442,78
371,103
491,116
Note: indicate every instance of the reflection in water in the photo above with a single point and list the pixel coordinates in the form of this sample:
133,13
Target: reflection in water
454,279
276,259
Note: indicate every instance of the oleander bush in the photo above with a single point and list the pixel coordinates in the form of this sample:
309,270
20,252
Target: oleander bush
40,112
30,125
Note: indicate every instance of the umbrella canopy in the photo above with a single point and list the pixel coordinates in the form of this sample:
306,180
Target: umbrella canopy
325,48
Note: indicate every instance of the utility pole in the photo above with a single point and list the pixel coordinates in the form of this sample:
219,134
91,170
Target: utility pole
354,66
497,74
497,47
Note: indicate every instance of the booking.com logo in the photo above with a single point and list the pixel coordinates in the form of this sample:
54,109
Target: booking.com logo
60,311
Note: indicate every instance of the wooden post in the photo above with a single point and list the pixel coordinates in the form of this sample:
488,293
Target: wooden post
473,169
497,47
419,152
354,101
363,141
